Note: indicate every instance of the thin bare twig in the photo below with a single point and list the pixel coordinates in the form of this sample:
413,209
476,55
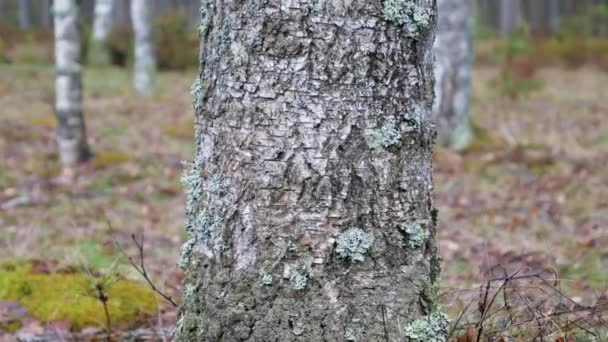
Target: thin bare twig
140,267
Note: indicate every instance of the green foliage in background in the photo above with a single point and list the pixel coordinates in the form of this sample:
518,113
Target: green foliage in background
518,65
593,22
176,41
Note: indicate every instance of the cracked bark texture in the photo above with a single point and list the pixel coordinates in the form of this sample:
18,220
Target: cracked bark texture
145,56
102,24
313,126
453,50
71,134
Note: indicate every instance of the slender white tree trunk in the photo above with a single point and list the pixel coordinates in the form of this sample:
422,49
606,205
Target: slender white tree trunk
453,68
25,21
102,25
145,55
554,15
71,137
510,16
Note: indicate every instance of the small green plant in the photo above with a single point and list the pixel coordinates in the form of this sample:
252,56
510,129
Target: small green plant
519,63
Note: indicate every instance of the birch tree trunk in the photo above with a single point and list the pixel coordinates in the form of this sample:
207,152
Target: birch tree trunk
25,20
71,137
145,56
453,50
102,25
510,16
45,13
309,206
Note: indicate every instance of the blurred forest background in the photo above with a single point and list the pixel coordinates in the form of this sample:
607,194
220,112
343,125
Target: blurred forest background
529,193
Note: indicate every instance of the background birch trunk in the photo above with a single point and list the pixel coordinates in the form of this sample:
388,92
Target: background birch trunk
102,25
71,136
309,206
25,19
510,16
145,56
453,50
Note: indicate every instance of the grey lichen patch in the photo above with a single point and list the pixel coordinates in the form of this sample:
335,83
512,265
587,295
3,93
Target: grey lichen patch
416,234
298,329
239,53
215,184
431,328
265,278
197,93
185,252
353,330
205,226
189,322
413,17
191,179
298,279
353,244
387,135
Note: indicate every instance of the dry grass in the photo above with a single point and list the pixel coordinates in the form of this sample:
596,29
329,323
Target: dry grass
536,199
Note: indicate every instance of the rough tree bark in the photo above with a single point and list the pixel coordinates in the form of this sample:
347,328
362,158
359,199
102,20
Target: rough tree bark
453,50
71,136
309,206
102,25
145,56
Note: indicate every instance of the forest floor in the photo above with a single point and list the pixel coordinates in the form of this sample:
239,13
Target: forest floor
531,195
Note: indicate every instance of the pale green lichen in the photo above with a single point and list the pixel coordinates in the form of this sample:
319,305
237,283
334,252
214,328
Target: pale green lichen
216,184
298,279
431,328
191,179
205,226
239,54
189,290
407,13
197,93
184,255
353,330
201,225
265,278
387,135
353,244
416,234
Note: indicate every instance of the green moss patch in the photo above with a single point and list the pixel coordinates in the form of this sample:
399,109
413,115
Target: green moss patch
105,159
72,296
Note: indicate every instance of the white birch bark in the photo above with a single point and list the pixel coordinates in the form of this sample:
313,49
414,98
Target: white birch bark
510,16
71,137
453,68
102,25
25,21
145,55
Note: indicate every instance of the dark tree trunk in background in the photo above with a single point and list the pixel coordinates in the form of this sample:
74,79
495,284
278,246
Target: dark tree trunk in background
510,16
25,19
553,14
71,136
45,13
309,206
453,68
